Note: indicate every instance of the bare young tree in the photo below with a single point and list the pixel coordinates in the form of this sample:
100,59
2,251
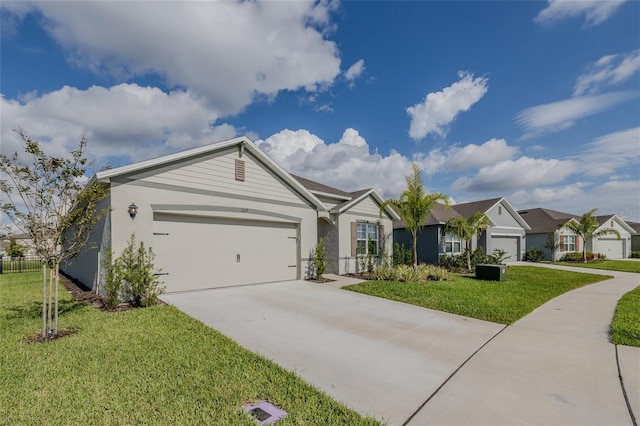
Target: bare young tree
46,197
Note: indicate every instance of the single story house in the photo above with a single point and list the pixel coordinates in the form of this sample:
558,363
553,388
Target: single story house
635,237
507,231
546,224
226,214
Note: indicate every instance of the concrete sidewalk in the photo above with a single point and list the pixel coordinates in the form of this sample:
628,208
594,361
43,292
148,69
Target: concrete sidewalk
554,366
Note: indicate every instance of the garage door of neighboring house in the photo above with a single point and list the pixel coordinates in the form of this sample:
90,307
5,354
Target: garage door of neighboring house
610,247
201,252
510,245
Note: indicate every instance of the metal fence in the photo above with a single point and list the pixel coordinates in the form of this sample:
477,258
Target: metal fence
12,265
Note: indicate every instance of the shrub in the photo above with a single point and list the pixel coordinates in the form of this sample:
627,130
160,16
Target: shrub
319,260
534,255
635,254
497,257
458,262
577,257
113,282
132,276
402,255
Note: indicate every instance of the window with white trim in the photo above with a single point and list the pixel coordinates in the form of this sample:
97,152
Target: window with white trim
452,243
569,243
367,238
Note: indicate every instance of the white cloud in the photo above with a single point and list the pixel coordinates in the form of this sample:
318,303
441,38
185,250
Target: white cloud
126,120
476,156
347,164
595,12
354,72
607,71
546,195
229,52
560,115
611,152
439,109
633,186
517,174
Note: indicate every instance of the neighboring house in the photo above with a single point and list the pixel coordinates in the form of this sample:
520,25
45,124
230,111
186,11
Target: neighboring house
610,245
225,214
507,231
547,225
635,237
544,221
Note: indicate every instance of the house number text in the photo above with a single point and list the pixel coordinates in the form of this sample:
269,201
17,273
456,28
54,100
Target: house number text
244,210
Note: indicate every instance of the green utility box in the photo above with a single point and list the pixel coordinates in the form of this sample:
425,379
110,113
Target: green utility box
491,272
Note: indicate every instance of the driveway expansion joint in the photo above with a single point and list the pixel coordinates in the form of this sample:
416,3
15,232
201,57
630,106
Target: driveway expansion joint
453,374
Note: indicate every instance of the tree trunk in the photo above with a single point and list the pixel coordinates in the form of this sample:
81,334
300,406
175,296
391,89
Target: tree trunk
468,244
44,300
49,315
57,273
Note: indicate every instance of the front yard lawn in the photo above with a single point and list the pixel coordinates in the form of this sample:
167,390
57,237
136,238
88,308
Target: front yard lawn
625,327
526,288
609,265
143,366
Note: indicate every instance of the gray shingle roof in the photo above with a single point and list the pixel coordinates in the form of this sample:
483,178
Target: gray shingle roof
319,187
635,226
545,220
466,210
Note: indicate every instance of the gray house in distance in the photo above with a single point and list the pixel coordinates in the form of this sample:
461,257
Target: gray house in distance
546,224
226,214
507,231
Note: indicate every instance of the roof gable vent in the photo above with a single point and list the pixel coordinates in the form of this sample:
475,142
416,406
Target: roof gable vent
240,170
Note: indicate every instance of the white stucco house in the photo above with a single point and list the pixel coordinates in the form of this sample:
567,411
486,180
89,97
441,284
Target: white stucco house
226,214
546,222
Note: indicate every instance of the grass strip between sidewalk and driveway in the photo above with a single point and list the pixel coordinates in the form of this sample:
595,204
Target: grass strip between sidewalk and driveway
625,327
142,366
526,288
608,265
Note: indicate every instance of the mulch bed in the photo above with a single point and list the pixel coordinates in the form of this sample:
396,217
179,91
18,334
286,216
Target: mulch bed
83,294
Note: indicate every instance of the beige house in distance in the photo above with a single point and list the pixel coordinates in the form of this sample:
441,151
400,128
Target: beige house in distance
226,214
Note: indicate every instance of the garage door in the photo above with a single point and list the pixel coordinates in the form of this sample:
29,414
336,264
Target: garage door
199,252
611,248
509,245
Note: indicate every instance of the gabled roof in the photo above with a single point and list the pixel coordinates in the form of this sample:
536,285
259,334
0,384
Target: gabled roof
604,219
440,214
242,142
349,199
545,220
635,226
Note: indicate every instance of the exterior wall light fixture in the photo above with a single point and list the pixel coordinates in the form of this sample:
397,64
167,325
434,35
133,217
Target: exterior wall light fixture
132,210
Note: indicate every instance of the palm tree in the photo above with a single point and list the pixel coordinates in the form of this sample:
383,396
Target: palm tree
467,228
414,206
586,229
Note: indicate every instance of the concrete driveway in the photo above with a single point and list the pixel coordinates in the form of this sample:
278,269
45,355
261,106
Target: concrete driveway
379,357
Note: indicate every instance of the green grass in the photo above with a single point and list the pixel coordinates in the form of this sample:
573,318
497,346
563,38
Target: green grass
145,366
609,265
526,288
625,327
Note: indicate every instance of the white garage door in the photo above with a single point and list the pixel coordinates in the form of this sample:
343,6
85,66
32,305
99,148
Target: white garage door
199,252
611,248
508,244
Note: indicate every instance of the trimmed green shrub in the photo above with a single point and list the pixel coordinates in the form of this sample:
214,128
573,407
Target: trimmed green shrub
319,260
534,255
576,256
402,255
133,277
112,282
635,254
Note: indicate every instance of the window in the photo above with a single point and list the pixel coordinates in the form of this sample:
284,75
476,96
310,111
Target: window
569,243
367,239
452,243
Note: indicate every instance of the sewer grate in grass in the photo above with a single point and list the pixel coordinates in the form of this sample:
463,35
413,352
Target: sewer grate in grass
264,412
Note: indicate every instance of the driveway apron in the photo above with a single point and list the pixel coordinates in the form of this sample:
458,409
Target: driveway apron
379,357
555,366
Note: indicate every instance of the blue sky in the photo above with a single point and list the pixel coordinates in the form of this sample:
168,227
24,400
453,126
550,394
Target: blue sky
535,101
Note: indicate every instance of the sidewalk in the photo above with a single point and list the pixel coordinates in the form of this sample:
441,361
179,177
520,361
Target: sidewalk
555,366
